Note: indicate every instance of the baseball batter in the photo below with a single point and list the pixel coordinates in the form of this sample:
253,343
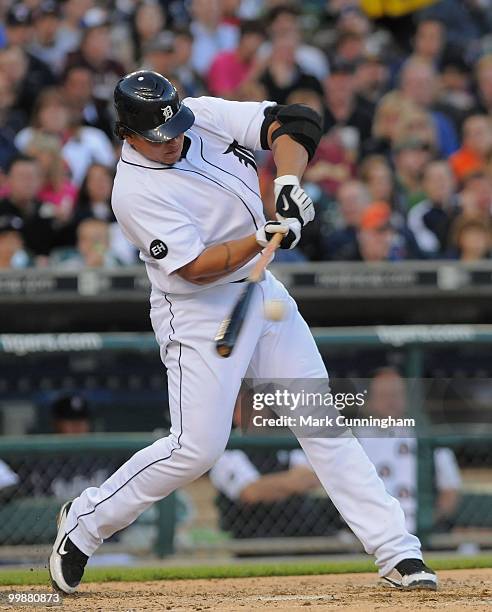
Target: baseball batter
186,194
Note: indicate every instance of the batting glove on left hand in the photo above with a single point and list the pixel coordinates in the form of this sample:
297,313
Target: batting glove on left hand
291,200
290,227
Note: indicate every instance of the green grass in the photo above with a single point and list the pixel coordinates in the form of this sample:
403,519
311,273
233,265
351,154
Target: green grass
247,570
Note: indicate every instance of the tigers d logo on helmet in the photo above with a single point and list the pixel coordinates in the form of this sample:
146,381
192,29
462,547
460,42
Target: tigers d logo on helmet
167,111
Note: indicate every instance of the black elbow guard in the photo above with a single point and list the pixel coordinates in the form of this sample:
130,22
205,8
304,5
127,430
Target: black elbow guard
300,122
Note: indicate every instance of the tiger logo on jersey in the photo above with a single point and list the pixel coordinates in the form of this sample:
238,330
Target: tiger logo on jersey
244,155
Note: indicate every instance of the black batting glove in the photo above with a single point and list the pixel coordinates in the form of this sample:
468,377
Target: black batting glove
291,200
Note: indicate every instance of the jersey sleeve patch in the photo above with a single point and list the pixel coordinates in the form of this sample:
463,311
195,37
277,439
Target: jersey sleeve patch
158,249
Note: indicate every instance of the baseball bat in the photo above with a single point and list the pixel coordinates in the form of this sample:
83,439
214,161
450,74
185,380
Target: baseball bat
230,327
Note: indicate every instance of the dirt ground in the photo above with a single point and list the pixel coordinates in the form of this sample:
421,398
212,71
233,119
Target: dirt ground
461,590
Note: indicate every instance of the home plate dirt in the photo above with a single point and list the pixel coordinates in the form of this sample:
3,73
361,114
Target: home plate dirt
461,590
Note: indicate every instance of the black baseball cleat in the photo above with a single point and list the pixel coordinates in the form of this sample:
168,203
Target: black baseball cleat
67,562
412,574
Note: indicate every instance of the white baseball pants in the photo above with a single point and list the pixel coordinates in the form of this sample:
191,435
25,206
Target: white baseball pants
202,391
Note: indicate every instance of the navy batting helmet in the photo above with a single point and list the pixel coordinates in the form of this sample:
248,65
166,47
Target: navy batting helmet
148,105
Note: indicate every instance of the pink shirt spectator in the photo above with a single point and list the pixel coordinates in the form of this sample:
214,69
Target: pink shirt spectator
227,72
63,198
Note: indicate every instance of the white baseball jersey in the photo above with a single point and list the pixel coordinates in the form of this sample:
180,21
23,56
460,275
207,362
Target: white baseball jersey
234,471
172,213
396,463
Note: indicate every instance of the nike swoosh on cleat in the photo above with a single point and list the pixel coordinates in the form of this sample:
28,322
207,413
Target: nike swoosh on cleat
61,548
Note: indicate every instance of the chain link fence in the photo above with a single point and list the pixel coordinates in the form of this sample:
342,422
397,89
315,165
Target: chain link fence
125,385
42,473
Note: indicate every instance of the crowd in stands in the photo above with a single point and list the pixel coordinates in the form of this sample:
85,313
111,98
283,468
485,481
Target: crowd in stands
403,171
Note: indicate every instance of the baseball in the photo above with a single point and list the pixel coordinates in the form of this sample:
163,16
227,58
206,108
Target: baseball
274,310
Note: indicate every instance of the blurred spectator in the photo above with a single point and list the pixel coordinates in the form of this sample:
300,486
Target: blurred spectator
476,148
283,75
352,199
31,73
431,219
465,21
375,172
471,239
27,75
371,78
410,158
18,25
47,44
483,74
252,91
147,22
349,47
96,54
332,163
11,121
70,31
77,86
415,124
375,236
343,108
381,237
12,254
81,145
158,54
52,477
394,454
475,206
70,415
231,68
94,201
266,494
183,68
56,189
430,40
418,83
350,18
456,89
92,249
389,110
284,24
39,223
210,34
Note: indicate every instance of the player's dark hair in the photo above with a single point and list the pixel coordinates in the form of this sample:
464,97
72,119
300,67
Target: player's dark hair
120,131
